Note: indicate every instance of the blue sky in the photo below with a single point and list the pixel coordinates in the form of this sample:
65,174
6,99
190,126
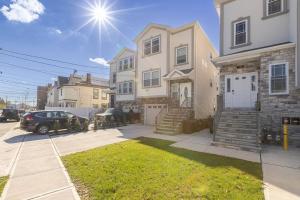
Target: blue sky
51,28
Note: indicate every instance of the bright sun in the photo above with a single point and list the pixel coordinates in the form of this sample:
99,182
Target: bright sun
100,14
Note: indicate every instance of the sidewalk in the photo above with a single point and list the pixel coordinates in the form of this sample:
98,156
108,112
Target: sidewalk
38,173
281,171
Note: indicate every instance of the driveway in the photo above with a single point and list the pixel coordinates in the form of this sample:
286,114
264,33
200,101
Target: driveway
6,127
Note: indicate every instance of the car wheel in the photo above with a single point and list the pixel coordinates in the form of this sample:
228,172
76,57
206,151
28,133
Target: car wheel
43,129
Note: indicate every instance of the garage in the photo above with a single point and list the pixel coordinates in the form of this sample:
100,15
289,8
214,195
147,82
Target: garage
151,111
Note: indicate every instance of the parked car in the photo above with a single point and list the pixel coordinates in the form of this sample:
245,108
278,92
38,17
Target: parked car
10,114
111,116
44,121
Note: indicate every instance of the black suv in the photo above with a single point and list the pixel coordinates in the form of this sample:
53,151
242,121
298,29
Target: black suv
44,121
10,114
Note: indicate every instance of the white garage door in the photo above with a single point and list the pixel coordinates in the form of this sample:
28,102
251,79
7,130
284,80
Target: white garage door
151,111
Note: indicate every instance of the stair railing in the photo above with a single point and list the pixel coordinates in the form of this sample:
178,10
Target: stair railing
217,116
160,116
187,103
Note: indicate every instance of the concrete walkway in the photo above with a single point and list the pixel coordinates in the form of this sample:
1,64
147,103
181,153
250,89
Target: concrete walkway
38,173
281,171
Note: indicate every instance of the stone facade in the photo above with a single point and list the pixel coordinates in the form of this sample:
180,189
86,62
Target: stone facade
142,101
126,106
272,107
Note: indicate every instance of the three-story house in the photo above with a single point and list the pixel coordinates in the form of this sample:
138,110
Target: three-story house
259,69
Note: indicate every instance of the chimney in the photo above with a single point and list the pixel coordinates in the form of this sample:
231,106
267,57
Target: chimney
88,78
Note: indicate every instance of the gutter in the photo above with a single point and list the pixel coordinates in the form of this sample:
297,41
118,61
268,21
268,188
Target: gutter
250,54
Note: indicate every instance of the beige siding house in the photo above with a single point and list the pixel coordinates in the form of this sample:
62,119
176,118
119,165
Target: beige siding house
259,69
122,80
79,92
175,74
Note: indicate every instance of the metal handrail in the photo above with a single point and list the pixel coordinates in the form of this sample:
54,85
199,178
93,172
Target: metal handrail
217,116
181,108
160,115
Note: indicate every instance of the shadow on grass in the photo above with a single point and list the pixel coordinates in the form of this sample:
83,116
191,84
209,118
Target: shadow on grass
211,160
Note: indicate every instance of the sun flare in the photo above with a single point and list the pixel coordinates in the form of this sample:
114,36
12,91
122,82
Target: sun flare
100,14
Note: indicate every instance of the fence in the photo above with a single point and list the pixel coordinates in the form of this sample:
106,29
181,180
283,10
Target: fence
82,112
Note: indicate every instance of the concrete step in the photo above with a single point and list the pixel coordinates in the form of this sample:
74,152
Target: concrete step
166,132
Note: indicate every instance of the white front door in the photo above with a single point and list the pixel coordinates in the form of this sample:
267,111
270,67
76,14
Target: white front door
241,90
186,94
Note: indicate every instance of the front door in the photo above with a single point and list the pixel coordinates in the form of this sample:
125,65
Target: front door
241,90
186,94
112,101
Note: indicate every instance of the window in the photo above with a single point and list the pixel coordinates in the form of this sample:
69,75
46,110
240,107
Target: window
126,87
121,65
278,78
61,91
130,88
120,88
151,78
125,62
240,33
228,85
181,55
114,78
147,48
95,93
103,95
152,46
274,7
131,62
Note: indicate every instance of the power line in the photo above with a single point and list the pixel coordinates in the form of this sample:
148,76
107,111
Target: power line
44,63
49,59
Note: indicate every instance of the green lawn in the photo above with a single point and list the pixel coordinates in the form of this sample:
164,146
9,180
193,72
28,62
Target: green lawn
151,169
3,181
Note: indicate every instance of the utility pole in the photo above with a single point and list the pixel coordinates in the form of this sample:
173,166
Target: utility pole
6,101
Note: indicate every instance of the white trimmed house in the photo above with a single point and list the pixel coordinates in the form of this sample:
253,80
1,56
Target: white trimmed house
259,69
122,81
176,78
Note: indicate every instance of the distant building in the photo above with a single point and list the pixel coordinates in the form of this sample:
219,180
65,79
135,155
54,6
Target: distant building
79,91
42,92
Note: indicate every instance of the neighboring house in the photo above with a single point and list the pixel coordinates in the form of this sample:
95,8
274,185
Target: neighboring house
122,80
176,78
81,92
259,69
53,93
42,92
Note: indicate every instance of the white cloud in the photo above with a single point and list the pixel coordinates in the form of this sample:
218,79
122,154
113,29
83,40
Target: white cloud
58,31
100,61
24,11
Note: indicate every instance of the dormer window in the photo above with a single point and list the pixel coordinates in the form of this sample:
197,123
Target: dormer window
241,34
274,7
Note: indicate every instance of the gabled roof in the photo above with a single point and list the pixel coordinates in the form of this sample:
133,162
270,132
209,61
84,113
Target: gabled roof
177,73
150,26
121,52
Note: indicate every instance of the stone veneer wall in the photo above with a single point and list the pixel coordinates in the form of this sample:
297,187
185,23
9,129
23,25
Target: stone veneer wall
274,107
127,104
142,101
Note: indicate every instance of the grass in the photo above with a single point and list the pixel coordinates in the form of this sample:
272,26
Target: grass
3,181
152,169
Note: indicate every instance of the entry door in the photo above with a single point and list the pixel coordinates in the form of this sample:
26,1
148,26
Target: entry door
175,93
241,90
185,94
112,101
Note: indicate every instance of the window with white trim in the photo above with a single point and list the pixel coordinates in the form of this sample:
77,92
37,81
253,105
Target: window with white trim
125,88
241,32
126,64
278,82
274,7
151,78
95,93
181,55
152,46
